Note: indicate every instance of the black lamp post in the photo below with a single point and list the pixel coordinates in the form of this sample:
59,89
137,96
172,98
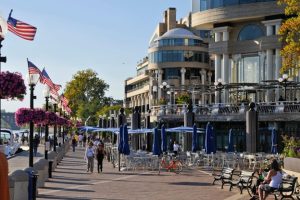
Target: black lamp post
219,86
55,129
32,80
64,129
284,80
3,31
47,145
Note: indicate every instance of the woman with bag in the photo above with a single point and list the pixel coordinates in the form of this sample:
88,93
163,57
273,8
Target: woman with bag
100,153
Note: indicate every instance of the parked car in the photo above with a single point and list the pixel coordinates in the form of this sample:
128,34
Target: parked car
11,146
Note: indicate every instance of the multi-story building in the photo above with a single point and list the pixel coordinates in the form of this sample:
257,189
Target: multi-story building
224,54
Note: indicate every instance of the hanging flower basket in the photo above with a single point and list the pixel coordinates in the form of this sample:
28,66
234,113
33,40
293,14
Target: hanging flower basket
39,116
12,86
50,118
26,115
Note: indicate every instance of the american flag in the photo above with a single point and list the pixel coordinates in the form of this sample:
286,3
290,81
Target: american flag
64,100
45,79
32,69
21,29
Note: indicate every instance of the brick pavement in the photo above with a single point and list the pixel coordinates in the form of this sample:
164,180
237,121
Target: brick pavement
71,181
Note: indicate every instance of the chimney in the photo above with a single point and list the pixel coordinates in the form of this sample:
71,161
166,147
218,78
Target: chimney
170,16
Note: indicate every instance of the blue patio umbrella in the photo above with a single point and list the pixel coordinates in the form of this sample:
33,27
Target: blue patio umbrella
120,146
126,150
156,147
210,146
194,139
163,139
230,141
274,141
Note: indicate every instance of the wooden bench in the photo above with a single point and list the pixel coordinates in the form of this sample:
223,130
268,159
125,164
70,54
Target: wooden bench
224,176
287,188
244,181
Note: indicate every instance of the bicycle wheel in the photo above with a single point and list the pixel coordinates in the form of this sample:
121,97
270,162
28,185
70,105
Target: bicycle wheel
178,168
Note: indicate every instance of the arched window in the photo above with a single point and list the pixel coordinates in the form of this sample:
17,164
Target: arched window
250,32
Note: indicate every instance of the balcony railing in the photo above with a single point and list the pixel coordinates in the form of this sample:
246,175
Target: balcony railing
225,109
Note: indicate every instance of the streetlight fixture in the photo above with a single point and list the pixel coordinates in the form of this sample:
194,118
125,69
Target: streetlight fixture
164,86
32,81
284,80
219,86
3,31
55,128
47,144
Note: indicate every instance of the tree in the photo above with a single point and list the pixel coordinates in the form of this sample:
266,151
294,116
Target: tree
85,93
290,36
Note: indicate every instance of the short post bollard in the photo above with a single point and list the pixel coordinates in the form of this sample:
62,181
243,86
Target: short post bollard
50,168
34,181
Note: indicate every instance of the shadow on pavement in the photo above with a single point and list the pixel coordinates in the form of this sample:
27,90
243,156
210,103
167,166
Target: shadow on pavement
191,184
43,196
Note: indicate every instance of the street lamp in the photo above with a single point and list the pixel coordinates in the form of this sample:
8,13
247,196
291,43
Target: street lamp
47,144
55,128
164,86
284,80
219,86
3,31
32,81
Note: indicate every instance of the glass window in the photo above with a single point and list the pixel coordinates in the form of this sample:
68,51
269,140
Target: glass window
250,32
171,72
249,70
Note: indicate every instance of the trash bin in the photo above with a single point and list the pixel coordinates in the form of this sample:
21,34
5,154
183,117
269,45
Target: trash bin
32,184
50,168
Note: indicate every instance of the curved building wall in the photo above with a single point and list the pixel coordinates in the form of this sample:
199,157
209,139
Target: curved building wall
244,43
231,13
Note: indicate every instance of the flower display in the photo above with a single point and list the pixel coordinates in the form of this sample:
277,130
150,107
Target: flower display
50,118
39,116
23,116
26,115
12,86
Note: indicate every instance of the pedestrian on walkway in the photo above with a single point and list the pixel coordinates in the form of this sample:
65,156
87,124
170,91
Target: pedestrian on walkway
4,189
100,153
36,142
89,157
84,140
74,143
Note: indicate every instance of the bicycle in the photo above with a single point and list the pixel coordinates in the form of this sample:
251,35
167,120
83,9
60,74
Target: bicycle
171,164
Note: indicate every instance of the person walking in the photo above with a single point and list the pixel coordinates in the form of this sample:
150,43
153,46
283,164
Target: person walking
74,142
100,153
175,148
36,142
89,157
84,140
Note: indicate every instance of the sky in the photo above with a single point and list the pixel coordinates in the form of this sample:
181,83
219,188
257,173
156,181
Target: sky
107,36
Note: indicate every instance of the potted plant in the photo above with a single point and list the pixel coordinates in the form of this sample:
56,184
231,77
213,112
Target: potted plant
291,153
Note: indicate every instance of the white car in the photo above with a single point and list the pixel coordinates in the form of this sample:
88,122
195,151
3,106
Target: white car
10,145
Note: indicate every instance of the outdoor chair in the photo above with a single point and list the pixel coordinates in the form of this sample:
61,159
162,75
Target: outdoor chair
287,188
224,176
243,182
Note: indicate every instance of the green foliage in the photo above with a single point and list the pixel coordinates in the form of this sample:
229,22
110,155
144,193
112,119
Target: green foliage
85,93
183,98
291,146
290,36
162,101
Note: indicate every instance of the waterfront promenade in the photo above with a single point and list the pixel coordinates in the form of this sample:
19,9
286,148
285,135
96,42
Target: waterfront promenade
71,181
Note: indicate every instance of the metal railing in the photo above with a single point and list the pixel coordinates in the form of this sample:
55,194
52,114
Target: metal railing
224,109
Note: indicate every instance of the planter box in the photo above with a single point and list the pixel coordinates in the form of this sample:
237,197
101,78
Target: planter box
292,164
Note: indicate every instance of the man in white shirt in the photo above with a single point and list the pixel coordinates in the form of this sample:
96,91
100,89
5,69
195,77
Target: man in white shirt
175,148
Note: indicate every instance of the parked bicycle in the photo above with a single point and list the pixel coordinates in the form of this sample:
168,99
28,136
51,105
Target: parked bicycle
170,163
